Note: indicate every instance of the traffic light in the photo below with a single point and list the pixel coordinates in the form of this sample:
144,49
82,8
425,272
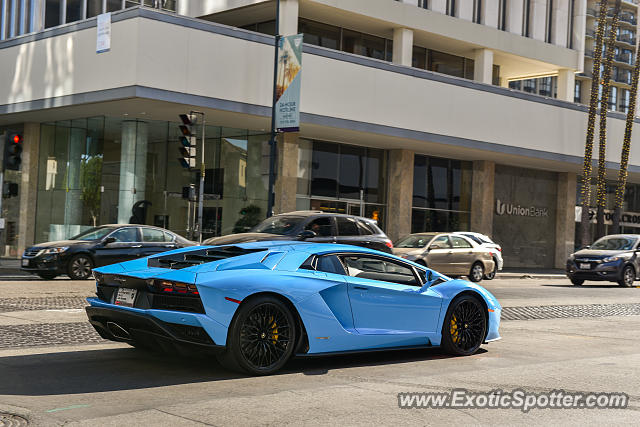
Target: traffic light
13,151
187,141
9,189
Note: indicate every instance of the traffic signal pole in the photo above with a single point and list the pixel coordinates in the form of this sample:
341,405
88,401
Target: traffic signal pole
273,141
201,192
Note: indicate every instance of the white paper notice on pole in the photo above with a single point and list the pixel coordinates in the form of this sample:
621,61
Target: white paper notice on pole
103,40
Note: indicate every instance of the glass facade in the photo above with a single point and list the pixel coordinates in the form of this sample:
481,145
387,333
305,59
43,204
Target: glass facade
441,194
108,170
342,178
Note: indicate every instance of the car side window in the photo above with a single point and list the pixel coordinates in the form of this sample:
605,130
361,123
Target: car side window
347,226
379,268
330,264
442,242
459,243
126,235
168,237
321,226
152,235
365,229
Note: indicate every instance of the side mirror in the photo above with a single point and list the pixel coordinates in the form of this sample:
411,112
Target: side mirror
587,247
429,276
434,246
307,234
108,240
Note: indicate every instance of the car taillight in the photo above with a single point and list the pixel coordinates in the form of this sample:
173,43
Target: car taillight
389,244
168,286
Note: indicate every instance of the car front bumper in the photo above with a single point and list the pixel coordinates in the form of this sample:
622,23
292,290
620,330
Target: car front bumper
609,271
51,263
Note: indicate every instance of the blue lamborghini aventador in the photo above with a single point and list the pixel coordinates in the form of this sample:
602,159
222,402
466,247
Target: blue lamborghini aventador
255,305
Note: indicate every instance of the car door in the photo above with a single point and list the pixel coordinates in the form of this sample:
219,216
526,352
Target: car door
462,255
439,256
154,241
324,227
125,246
387,296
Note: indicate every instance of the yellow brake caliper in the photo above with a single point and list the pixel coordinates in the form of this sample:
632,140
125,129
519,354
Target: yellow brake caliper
454,330
274,330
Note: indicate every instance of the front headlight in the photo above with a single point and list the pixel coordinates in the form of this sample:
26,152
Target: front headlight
612,259
56,250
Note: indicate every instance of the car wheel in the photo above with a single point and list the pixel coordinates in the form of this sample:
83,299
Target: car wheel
261,338
80,267
477,272
47,276
577,282
628,276
464,327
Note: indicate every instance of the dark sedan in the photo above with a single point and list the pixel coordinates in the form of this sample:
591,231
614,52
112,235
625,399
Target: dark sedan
96,247
612,258
313,226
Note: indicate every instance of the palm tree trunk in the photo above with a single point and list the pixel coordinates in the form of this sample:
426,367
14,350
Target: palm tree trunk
604,107
588,146
626,145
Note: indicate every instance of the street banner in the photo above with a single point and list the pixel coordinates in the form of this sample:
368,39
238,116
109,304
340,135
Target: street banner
103,39
288,83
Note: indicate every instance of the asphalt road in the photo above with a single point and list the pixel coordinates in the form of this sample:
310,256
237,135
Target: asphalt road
54,369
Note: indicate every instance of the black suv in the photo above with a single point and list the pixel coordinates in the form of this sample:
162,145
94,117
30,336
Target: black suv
313,226
613,258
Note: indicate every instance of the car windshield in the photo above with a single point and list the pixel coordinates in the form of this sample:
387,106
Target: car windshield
96,233
278,225
617,243
415,241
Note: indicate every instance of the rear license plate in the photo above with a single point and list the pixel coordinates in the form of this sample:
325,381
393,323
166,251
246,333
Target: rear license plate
585,266
126,297
25,263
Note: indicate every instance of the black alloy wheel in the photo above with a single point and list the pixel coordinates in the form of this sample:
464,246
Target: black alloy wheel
80,267
477,272
47,276
628,276
577,282
465,326
261,338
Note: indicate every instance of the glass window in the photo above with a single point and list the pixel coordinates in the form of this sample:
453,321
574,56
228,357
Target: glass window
347,226
74,10
365,229
113,5
352,42
324,172
442,242
126,235
168,237
414,241
320,34
374,175
52,14
278,225
459,242
330,264
94,8
381,269
323,227
577,94
152,235
373,47
93,234
445,63
419,59
351,167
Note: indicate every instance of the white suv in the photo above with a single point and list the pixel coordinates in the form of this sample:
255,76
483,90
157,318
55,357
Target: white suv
495,249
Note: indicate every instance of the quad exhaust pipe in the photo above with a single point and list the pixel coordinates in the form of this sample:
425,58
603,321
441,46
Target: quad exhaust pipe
118,331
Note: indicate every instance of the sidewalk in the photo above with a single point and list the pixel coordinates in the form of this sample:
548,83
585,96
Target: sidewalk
531,273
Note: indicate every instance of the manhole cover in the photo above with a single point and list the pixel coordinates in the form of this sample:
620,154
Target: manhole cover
11,420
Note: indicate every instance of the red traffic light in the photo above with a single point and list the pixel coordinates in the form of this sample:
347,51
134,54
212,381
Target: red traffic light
17,139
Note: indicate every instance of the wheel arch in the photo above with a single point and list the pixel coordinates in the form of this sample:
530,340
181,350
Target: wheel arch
479,297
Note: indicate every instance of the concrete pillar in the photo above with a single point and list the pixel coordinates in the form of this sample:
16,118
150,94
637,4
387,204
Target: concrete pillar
538,19
515,12
560,23
28,190
566,85
483,67
289,17
287,178
402,46
411,2
565,218
133,167
400,193
482,197
465,10
439,6
490,13
579,31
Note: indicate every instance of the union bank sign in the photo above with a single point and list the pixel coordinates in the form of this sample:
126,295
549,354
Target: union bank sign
503,208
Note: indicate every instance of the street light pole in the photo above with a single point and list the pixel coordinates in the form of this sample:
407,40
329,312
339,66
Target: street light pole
273,141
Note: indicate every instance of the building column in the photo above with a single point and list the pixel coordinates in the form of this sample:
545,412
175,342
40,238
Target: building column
515,14
439,6
490,13
287,179
565,217
566,85
482,197
402,46
289,17
133,167
560,20
28,186
538,20
400,193
579,31
483,68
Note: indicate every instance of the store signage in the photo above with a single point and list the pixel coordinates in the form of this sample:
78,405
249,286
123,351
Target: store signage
103,39
288,84
503,208
628,219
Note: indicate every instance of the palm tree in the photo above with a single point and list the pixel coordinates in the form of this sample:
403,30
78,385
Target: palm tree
604,107
593,105
626,145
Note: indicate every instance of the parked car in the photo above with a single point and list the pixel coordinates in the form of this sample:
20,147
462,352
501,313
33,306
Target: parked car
495,249
313,226
612,258
96,247
256,305
447,253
